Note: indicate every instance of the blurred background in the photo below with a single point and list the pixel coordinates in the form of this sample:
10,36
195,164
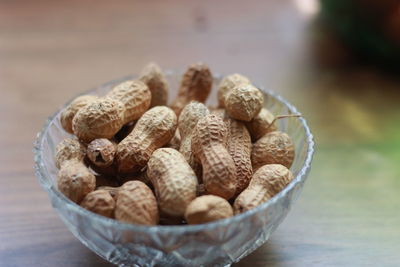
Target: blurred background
336,60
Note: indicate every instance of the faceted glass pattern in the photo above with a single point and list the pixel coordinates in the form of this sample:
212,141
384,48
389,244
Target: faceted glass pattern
214,244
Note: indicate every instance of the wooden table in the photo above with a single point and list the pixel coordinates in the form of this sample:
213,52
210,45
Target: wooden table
349,212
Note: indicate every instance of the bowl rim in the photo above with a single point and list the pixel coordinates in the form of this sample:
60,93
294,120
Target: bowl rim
42,172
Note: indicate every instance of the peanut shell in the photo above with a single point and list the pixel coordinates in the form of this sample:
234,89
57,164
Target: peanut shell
153,130
175,183
101,152
243,102
69,148
102,118
75,180
261,124
208,208
69,112
136,204
227,85
196,85
209,147
267,181
273,148
135,96
154,78
100,202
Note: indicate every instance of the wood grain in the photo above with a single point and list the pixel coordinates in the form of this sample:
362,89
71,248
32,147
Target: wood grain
348,214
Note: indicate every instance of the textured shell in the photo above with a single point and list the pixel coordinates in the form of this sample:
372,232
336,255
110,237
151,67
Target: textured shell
267,181
188,119
174,181
69,148
208,208
112,190
153,130
227,85
101,152
273,148
154,78
100,202
209,146
102,118
244,102
136,97
239,147
75,180
136,204
69,112
261,124
196,85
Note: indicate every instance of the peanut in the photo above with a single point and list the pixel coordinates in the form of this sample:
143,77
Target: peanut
227,85
261,124
104,117
101,152
154,78
273,148
136,204
187,122
267,181
68,149
243,102
195,86
136,97
208,208
153,130
174,181
112,190
100,202
209,147
69,112
239,147
75,180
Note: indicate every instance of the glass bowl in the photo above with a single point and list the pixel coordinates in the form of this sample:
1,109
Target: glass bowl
218,243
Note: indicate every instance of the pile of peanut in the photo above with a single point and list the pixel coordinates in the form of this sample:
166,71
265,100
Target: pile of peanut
137,160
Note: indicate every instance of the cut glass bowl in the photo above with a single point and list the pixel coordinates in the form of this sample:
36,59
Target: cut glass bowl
218,243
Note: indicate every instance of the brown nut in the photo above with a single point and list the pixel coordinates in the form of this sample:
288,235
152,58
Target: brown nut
69,148
69,112
154,78
260,125
243,102
267,181
102,118
100,202
75,180
136,204
227,85
101,152
135,96
208,208
273,148
239,147
209,147
153,130
187,122
175,183
196,85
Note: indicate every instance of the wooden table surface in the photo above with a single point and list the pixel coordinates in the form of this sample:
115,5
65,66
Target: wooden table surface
349,211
